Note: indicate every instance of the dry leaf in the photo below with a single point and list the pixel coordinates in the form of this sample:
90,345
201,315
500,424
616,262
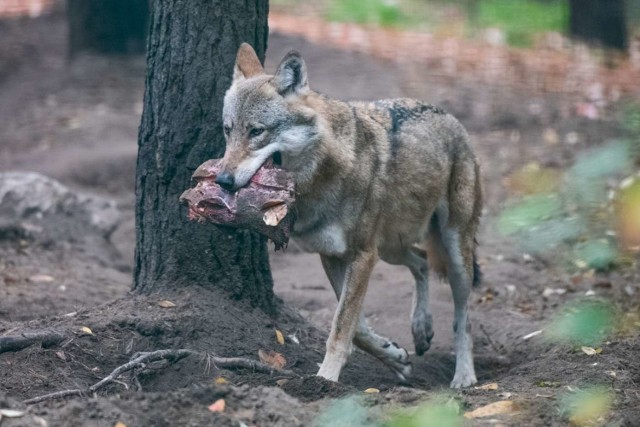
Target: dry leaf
217,406
590,350
274,215
372,390
86,330
41,278
505,395
490,386
11,413
282,381
279,337
119,424
496,408
273,359
61,355
166,304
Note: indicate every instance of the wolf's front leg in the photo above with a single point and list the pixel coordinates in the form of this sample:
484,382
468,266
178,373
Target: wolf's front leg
345,321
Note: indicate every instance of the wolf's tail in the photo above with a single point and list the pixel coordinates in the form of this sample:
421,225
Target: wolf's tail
477,273
438,258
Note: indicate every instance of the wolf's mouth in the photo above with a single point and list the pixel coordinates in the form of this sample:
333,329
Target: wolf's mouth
277,158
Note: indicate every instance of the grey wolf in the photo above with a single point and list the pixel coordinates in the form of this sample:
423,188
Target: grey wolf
394,180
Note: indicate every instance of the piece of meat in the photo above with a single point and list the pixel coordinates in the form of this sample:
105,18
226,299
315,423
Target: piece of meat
264,205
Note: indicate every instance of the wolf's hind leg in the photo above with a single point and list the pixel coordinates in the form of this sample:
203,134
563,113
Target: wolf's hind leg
421,320
459,248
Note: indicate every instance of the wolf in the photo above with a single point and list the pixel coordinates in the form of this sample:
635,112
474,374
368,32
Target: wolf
393,179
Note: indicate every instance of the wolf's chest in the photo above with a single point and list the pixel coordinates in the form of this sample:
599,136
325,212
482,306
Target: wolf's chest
329,239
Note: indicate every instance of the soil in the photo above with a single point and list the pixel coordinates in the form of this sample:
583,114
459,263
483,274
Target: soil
76,122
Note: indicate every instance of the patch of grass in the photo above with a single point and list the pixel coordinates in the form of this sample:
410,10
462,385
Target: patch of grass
385,13
522,19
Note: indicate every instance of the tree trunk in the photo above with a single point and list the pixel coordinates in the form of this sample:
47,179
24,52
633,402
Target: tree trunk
190,58
599,21
107,26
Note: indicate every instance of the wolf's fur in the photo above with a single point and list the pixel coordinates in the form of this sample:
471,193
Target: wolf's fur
392,179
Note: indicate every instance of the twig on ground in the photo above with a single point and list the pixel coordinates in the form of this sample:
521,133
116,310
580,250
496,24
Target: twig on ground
486,334
18,342
139,360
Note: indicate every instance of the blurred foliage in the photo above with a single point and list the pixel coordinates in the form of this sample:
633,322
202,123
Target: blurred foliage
588,407
385,13
521,20
347,412
583,323
576,212
440,411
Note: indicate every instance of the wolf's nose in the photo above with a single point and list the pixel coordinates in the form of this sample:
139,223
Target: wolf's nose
225,180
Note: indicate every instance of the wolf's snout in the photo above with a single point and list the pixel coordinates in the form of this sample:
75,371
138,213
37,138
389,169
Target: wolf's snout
225,180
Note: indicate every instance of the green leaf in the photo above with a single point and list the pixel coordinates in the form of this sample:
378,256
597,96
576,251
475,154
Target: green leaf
598,254
586,323
530,211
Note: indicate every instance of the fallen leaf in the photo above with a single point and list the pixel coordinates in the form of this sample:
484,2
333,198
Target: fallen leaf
274,215
505,395
119,424
279,337
590,350
12,413
221,381
166,304
282,381
496,408
217,406
372,390
490,386
86,330
41,278
546,396
61,355
272,358
552,384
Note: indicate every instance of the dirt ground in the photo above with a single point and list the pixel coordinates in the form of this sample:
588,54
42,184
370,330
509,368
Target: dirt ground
70,263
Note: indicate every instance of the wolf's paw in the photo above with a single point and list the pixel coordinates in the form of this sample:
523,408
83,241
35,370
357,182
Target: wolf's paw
462,380
422,330
397,358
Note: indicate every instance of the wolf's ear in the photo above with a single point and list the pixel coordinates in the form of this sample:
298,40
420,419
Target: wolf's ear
247,63
291,76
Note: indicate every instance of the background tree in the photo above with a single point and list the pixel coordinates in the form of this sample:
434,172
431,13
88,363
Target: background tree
600,21
190,58
107,26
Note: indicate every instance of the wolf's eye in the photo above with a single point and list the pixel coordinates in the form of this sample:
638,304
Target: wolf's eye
227,130
256,132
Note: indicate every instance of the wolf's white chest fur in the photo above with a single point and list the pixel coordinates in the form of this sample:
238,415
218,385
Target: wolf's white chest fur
328,240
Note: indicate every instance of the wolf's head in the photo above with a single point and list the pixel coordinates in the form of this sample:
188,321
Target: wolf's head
264,117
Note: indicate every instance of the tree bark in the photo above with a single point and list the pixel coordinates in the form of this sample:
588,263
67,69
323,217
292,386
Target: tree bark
599,21
107,26
190,58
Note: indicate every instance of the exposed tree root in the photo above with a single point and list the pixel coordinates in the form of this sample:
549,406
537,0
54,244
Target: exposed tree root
139,360
18,342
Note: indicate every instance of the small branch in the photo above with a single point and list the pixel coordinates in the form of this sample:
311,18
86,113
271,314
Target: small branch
56,395
486,334
18,342
139,360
